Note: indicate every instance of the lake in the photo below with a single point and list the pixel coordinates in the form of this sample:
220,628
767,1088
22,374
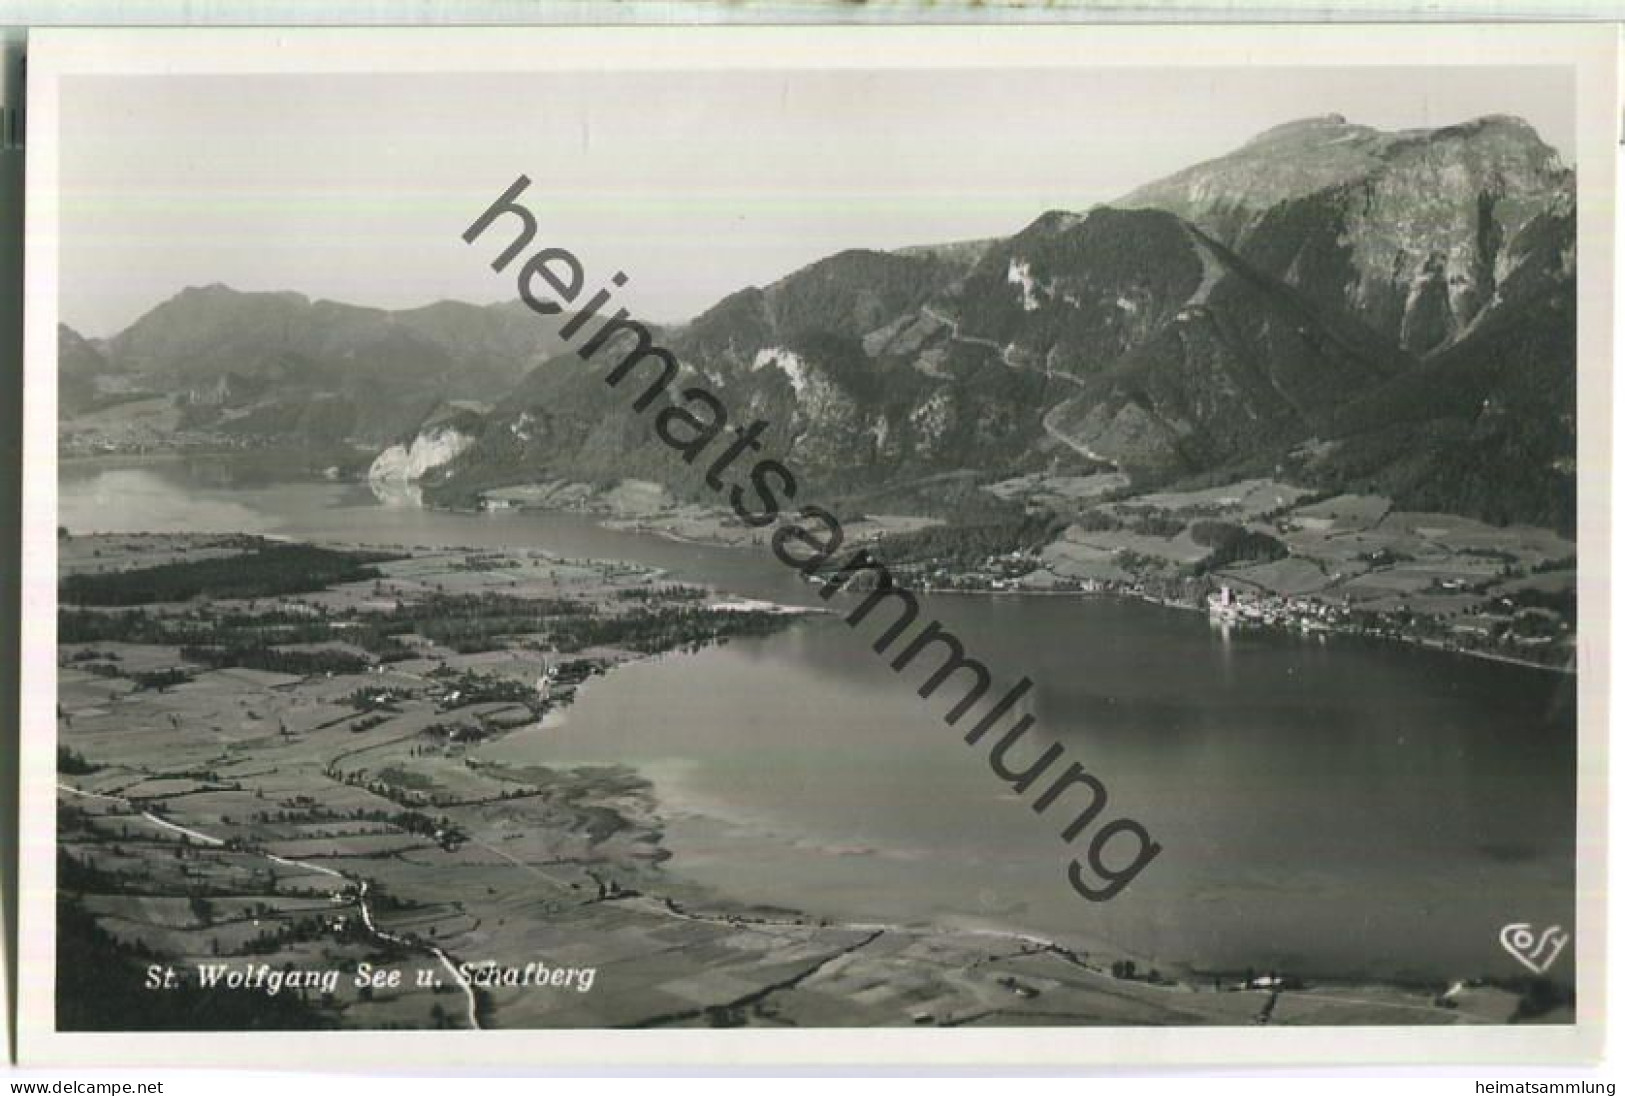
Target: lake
1329,807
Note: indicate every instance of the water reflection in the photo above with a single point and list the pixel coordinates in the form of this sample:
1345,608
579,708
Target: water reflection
395,492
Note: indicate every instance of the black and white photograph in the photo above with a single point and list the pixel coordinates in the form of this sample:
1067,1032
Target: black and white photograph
757,530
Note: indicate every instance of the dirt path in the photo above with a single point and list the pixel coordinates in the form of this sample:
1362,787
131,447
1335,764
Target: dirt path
523,865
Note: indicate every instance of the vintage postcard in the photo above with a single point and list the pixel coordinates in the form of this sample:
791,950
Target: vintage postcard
788,545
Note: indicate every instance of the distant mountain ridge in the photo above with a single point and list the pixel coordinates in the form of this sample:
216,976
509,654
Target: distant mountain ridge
280,365
1361,310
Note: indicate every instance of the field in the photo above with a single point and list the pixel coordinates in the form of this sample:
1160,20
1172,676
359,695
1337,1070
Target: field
347,821
1350,562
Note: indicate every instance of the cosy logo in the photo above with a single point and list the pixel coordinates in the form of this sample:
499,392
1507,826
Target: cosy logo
1535,953
692,420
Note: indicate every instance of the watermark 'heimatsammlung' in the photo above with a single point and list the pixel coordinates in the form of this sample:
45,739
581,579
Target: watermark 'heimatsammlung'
692,421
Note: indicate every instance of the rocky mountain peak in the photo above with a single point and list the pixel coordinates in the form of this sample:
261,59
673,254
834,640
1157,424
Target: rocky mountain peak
1405,230
1325,127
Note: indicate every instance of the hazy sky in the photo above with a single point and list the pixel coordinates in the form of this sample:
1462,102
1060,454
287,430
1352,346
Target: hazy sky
357,188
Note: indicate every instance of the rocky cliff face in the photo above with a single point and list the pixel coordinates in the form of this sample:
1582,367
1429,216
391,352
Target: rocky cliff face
433,447
1408,231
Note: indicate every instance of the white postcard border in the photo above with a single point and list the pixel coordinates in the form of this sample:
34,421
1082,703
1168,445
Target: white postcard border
1591,50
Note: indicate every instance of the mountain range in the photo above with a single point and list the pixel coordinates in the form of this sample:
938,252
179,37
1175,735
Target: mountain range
281,367
1353,309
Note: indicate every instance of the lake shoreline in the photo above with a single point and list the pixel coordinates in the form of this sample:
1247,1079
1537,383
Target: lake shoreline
634,523
622,525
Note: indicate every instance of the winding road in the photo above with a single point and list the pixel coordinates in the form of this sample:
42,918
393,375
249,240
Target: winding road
361,885
1004,353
